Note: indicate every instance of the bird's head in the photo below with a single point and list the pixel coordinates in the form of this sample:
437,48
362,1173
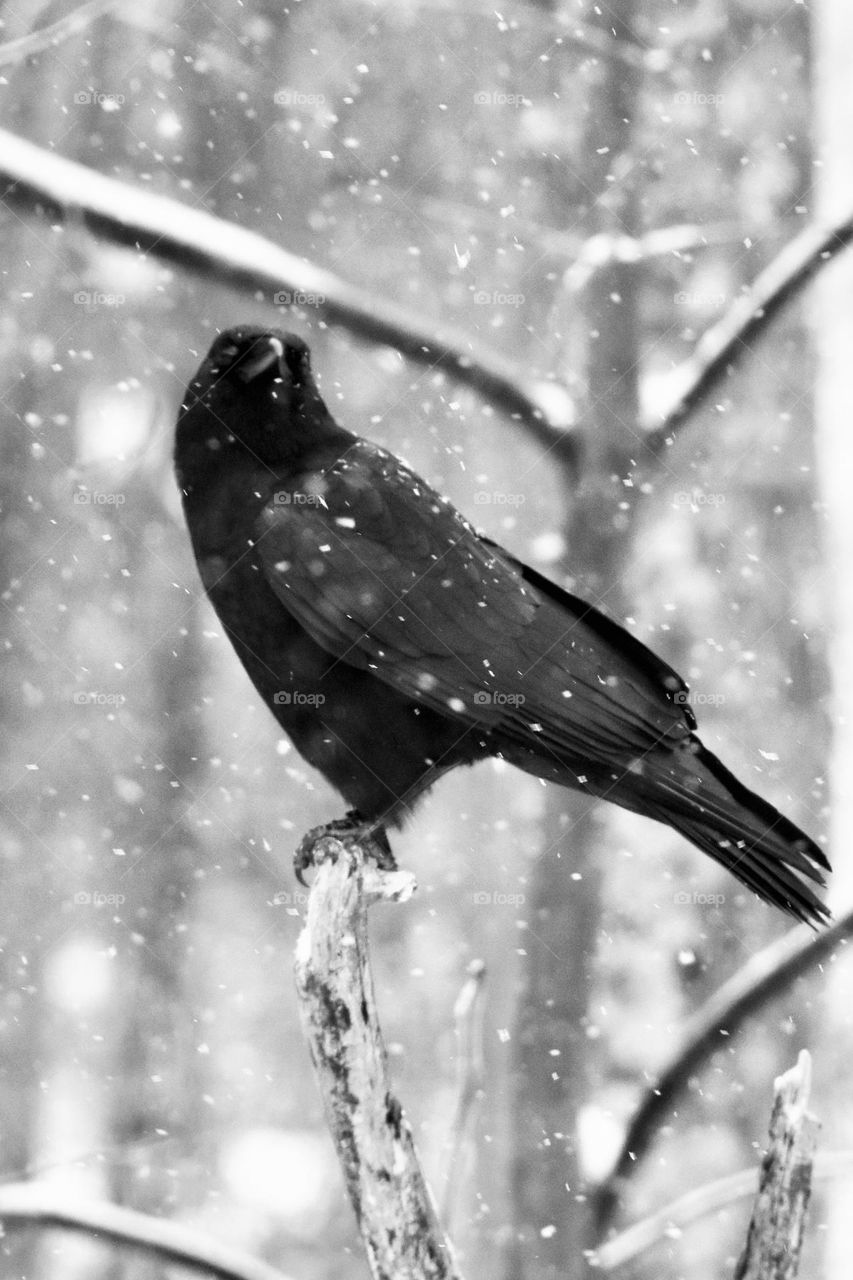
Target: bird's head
261,358
255,388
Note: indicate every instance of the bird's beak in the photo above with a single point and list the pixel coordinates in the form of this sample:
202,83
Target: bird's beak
264,354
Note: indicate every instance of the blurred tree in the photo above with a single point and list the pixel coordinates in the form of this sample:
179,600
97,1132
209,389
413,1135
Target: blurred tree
596,190
458,162
834,393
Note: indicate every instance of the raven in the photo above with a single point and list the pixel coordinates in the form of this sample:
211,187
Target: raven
392,642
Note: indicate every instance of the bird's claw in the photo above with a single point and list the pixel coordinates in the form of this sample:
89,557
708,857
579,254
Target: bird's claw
353,824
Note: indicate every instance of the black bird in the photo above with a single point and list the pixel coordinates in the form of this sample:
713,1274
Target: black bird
392,642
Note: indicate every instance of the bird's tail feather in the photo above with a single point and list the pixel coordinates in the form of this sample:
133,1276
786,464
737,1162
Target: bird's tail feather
745,834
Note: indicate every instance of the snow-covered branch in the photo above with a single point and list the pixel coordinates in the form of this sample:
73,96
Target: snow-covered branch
775,1236
14,52
392,1202
28,1203
721,346
35,181
764,976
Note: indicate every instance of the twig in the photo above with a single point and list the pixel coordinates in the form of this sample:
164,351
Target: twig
589,254
764,976
719,347
39,182
603,250
560,26
33,1202
713,1196
392,1201
17,51
468,1016
775,1235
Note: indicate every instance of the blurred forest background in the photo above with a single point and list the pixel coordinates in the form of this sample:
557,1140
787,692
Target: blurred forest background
500,172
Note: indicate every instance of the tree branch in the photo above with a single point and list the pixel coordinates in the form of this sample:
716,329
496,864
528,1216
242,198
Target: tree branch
775,1235
764,976
468,1015
562,27
32,1202
39,182
588,253
710,1198
392,1201
602,250
720,346
14,52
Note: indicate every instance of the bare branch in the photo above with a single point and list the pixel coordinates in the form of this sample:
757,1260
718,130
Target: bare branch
601,251
32,1202
775,1236
39,182
725,342
561,27
468,1016
17,51
671,1220
392,1201
764,976
589,254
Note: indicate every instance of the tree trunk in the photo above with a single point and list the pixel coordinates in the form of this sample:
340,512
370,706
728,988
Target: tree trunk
553,1050
834,336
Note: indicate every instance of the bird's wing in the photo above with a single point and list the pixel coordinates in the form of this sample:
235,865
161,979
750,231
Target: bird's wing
384,574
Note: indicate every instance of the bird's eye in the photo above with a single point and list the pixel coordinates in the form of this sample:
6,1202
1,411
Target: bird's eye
229,352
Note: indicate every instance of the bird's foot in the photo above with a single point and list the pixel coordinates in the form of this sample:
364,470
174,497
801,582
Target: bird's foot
354,825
